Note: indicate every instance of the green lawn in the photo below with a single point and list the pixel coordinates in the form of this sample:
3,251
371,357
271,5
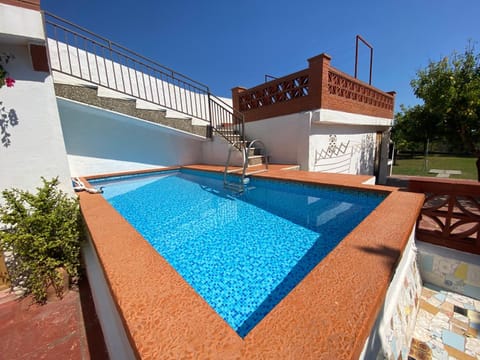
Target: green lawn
416,166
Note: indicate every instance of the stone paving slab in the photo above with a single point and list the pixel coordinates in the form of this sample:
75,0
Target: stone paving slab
444,173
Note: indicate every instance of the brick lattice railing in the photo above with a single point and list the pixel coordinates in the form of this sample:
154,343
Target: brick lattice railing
344,86
290,87
318,86
450,216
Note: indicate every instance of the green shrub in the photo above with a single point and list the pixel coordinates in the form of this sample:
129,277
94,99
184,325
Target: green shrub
42,231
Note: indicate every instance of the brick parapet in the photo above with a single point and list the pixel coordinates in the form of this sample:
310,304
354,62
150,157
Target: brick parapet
318,86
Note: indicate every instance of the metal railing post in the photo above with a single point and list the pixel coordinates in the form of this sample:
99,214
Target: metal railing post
210,125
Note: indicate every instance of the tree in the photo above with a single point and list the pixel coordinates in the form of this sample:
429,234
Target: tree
450,90
415,126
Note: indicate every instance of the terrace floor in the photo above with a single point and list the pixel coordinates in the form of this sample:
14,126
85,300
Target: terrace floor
61,329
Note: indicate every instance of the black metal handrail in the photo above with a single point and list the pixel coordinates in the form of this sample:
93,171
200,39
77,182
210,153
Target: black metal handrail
82,54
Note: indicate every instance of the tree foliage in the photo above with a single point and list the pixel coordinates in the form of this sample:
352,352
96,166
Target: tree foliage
450,90
415,126
43,233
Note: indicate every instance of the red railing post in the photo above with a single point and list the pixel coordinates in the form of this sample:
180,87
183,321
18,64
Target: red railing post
318,70
236,91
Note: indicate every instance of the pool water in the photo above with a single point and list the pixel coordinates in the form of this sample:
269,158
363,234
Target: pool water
243,253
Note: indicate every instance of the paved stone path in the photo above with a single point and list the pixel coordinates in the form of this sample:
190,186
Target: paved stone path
444,173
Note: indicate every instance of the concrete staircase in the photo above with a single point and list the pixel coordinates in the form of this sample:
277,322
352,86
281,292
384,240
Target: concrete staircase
90,95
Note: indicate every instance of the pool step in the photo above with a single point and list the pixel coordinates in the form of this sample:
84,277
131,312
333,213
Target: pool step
255,159
238,187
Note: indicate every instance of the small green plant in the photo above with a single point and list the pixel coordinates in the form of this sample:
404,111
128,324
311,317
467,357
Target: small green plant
42,231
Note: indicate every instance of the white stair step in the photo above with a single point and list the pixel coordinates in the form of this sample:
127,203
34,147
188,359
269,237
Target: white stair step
109,93
60,78
142,104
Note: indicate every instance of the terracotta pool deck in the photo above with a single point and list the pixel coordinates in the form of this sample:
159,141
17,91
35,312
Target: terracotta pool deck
328,315
324,317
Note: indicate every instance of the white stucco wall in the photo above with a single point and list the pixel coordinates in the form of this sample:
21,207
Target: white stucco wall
115,336
321,140
215,152
342,149
36,142
100,141
343,142
20,25
285,137
327,116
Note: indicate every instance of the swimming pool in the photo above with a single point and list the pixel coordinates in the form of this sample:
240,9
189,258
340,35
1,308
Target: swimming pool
242,253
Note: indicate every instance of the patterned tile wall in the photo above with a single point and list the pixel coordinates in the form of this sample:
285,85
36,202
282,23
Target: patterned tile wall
398,330
459,272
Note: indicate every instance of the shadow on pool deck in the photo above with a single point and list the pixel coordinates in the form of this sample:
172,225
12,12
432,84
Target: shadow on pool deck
61,329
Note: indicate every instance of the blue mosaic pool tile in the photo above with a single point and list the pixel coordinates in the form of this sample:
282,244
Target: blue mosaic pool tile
243,253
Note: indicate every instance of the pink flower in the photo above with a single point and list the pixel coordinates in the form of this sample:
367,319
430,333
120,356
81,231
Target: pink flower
9,81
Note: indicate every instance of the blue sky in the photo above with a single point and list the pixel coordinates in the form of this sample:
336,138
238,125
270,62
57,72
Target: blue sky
235,43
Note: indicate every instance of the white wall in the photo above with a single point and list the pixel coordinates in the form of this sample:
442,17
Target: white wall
215,152
285,137
344,149
20,24
37,148
341,117
100,141
116,338
321,140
